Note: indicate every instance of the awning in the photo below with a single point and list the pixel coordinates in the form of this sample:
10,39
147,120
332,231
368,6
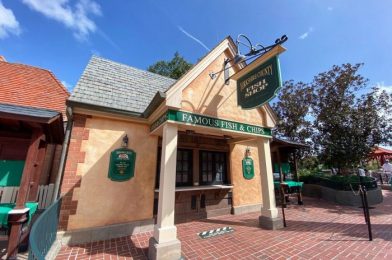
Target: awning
26,118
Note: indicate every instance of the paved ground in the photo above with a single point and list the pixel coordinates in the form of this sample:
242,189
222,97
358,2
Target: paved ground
318,230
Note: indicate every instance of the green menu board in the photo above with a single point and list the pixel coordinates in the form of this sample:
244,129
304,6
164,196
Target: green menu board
248,169
122,164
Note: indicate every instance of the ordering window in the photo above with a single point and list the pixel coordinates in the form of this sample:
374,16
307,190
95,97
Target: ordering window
213,167
184,167
184,174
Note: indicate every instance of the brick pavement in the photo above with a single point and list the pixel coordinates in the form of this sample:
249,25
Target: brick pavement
318,230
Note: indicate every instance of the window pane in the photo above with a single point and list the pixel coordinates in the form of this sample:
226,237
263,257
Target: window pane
184,167
213,167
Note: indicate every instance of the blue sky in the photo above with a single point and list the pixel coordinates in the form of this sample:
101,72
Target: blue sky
61,35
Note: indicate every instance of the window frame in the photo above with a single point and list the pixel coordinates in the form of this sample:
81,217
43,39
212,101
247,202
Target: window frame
190,167
214,162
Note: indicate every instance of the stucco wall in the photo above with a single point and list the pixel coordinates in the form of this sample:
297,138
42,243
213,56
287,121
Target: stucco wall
212,97
245,192
102,201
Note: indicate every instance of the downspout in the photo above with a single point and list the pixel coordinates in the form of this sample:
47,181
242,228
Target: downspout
64,152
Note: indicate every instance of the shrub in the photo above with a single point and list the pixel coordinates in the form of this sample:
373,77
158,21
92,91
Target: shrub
339,182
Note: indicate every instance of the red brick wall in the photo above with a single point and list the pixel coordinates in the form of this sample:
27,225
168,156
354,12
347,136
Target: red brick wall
71,179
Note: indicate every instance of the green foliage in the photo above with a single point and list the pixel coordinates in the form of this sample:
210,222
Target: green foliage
346,126
174,68
343,126
292,109
309,163
338,182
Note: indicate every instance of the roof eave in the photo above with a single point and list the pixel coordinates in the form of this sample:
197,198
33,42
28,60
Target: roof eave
73,103
154,104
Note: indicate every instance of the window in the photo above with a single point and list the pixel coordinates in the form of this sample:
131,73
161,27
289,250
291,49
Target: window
184,167
184,176
213,167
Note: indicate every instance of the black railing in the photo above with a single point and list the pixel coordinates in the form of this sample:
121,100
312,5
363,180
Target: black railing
44,231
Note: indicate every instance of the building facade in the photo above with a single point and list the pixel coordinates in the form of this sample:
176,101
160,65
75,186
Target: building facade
32,109
191,143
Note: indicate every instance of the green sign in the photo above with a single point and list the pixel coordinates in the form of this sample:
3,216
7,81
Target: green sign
206,121
260,85
248,169
122,164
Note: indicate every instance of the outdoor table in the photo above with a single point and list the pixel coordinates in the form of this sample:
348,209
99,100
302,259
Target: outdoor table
290,184
293,187
5,208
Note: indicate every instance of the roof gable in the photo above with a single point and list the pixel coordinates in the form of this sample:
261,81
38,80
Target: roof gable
173,94
196,92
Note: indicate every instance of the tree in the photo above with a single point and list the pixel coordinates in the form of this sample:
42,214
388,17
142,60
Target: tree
293,109
343,125
174,68
346,127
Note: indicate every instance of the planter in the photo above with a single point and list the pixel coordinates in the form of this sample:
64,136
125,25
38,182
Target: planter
341,197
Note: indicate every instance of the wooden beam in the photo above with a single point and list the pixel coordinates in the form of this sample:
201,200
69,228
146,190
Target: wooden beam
36,176
30,164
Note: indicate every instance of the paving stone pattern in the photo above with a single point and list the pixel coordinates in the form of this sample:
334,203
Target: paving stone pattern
318,230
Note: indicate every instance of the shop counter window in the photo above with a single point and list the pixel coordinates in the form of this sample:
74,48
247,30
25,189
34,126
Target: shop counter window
213,167
184,167
184,171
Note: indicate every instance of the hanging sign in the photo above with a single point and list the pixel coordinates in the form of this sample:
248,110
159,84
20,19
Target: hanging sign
248,169
122,164
259,85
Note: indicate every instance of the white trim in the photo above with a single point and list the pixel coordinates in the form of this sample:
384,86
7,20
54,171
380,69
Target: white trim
174,93
19,211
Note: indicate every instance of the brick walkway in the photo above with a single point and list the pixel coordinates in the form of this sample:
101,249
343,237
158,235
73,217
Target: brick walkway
318,230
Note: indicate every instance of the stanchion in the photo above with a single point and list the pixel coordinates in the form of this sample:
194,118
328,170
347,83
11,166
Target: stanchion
367,213
282,195
365,206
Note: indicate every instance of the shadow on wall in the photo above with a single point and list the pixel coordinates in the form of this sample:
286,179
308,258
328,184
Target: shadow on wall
211,106
93,200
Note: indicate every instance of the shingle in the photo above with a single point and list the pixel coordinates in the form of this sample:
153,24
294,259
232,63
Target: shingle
25,85
110,84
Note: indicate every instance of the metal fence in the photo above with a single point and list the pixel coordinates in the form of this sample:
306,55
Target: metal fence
44,231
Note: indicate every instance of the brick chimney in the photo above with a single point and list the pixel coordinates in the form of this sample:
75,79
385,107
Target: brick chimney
2,58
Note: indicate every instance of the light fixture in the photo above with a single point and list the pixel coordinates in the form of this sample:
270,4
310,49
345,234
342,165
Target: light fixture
124,143
247,152
253,52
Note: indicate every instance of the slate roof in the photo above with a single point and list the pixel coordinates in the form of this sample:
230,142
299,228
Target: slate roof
28,111
109,84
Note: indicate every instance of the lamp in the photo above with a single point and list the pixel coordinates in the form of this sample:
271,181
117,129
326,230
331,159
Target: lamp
238,58
247,152
124,143
254,51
